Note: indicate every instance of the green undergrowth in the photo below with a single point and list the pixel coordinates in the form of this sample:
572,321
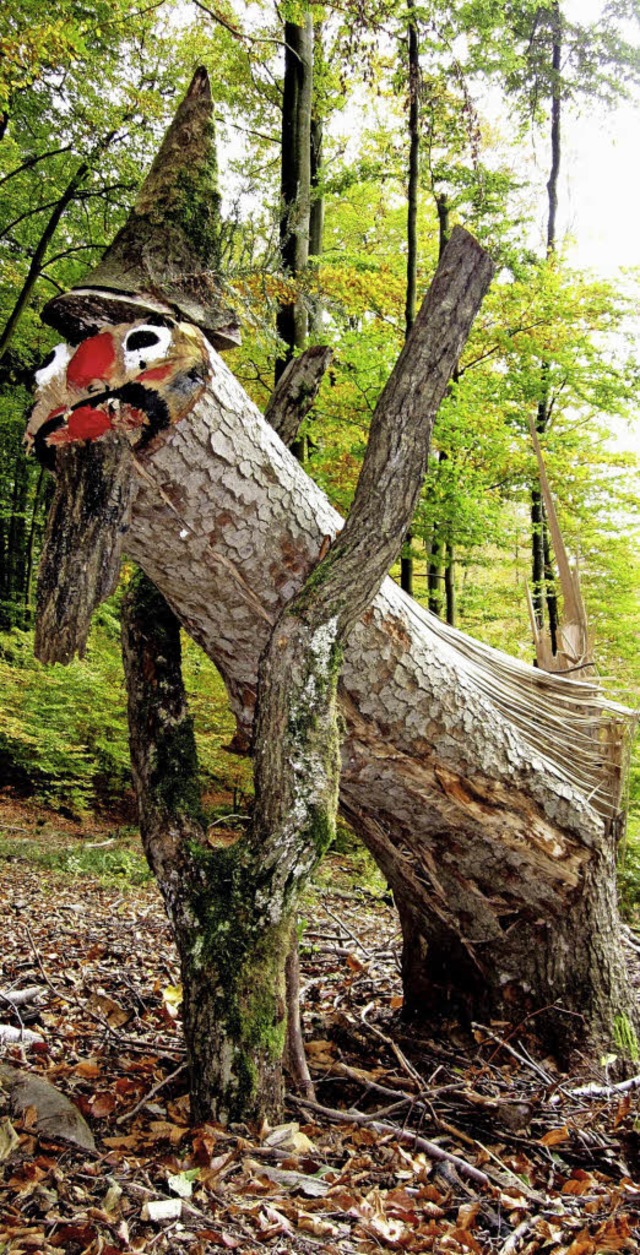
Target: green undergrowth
629,876
120,863
63,730
348,867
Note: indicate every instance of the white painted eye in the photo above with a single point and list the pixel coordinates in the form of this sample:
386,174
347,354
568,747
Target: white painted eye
145,344
54,366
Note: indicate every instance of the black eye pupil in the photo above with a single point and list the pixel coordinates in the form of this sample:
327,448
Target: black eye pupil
141,340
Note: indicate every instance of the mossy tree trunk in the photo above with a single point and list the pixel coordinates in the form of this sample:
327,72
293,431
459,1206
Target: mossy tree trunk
232,908
232,949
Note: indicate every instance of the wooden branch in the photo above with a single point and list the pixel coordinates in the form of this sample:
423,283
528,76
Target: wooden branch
405,1136
22,997
393,468
296,391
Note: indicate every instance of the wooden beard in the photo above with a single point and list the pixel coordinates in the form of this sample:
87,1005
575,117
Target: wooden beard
98,406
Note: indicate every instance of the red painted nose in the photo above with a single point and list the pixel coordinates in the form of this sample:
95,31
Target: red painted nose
93,361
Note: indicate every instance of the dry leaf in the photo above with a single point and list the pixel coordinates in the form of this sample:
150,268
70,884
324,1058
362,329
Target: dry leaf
555,1137
9,1140
172,1000
163,1130
288,1137
111,1011
102,1105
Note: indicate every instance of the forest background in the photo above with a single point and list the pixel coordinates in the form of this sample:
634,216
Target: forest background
85,95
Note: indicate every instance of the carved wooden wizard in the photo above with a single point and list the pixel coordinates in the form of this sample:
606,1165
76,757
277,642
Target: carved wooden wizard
134,361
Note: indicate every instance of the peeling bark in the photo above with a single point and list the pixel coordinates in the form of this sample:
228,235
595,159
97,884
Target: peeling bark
466,773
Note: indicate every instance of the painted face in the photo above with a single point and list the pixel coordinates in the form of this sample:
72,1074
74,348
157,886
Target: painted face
137,378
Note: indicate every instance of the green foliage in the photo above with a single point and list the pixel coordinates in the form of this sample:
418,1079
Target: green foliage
63,730
122,864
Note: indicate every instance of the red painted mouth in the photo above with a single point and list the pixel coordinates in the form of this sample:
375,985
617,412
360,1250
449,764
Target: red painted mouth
85,423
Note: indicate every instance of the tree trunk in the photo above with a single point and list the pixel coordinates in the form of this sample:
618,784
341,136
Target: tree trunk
413,186
295,181
37,261
467,773
435,575
450,584
233,972
542,575
233,908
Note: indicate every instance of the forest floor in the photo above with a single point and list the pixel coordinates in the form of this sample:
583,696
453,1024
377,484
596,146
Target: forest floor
452,1143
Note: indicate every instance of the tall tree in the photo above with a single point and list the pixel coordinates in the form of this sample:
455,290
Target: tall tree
413,188
295,186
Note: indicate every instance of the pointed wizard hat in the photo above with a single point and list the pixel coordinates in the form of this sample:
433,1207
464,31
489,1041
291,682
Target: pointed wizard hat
164,259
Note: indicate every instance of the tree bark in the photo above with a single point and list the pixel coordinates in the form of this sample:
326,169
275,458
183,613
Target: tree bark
406,561
542,575
466,773
296,391
450,584
232,972
80,563
295,181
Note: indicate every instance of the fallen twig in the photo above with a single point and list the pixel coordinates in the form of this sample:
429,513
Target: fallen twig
394,1047
605,1091
513,1241
406,1136
20,997
128,1115
346,928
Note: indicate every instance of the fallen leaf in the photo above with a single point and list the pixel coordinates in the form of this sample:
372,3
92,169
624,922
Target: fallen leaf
288,1137
9,1140
163,1130
111,1011
555,1137
102,1105
181,1183
172,1000
313,1187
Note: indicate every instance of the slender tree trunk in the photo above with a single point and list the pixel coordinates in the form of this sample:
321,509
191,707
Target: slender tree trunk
37,261
556,116
316,213
406,560
435,573
295,182
537,556
450,584
550,584
542,574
